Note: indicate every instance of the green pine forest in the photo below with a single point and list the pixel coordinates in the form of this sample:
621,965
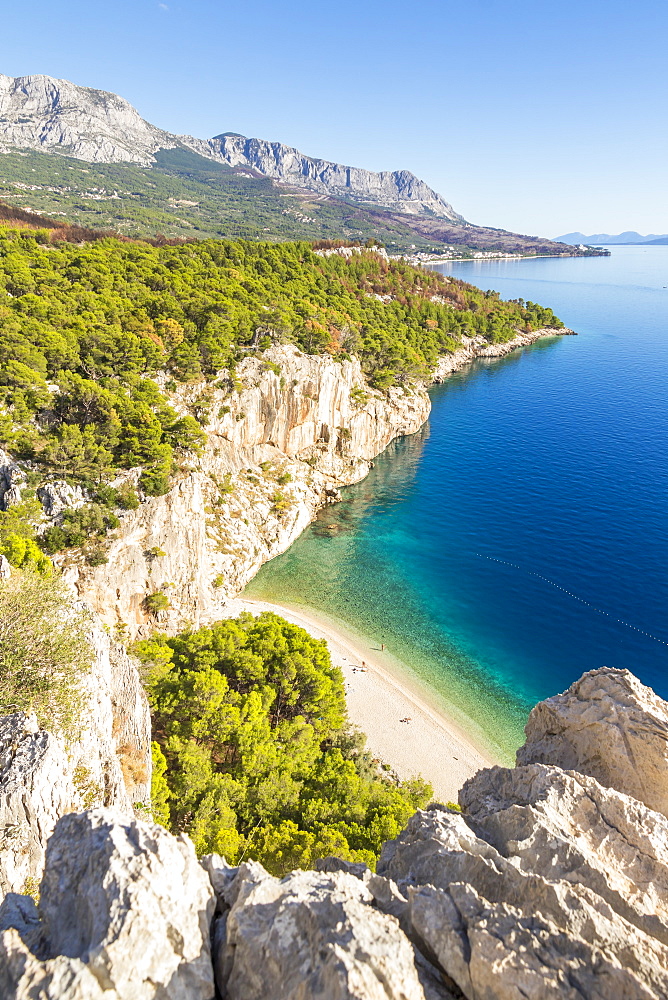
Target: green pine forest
187,195
254,756
85,326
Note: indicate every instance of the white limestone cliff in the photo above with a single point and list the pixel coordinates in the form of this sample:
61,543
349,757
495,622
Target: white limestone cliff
43,777
477,347
277,450
40,112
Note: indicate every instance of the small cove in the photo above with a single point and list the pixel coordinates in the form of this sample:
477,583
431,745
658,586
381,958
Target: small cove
498,552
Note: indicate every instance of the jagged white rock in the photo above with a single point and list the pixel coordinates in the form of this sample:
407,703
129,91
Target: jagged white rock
123,904
58,496
309,934
609,725
547,885
36,789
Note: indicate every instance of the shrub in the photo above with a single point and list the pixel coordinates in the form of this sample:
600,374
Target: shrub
18,540
280,503
126,497
156,602
81,526
44,651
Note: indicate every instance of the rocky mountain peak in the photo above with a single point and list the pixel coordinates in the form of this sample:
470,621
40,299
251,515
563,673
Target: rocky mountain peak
399,190
42,113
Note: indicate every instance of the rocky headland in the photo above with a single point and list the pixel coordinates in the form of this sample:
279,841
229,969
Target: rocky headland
296,428
551,881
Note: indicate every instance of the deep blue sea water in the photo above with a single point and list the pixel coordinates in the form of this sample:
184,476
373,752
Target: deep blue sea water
521,537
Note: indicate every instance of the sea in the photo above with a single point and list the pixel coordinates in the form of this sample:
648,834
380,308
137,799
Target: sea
519,538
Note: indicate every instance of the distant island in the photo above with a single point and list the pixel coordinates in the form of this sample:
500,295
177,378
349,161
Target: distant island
627,238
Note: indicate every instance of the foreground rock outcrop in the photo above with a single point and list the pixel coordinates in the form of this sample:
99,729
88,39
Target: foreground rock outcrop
610,726
547,884
124,913
311,934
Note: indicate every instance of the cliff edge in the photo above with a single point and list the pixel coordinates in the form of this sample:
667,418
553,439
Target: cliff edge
547,883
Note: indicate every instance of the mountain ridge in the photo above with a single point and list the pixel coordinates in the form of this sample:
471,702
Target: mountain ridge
627,238
44,113
89,157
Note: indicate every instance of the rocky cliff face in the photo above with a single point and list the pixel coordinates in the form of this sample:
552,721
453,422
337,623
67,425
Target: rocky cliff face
546,884
399,189
299,427
478,347
42,778
42,113
39,112
280,442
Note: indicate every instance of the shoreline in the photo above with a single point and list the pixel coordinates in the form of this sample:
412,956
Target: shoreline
483,260
430,744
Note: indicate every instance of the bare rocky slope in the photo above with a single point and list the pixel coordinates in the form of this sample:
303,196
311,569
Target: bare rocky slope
42,113
547,884
42,778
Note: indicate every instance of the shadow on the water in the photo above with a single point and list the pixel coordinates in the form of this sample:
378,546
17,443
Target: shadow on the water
391,479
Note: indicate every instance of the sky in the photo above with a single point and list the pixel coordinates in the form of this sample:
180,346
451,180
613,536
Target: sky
538,116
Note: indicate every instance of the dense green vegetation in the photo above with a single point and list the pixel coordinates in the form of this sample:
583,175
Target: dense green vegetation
85,326
253,755
189,196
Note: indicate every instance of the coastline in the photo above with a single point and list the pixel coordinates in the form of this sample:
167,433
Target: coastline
383,695
431,744
478,260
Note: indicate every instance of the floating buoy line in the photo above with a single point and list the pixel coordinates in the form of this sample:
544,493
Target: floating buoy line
575,597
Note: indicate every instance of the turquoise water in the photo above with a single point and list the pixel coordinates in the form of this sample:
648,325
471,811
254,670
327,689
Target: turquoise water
521,537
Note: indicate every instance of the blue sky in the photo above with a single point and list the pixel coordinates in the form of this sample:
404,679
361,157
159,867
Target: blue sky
541,117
